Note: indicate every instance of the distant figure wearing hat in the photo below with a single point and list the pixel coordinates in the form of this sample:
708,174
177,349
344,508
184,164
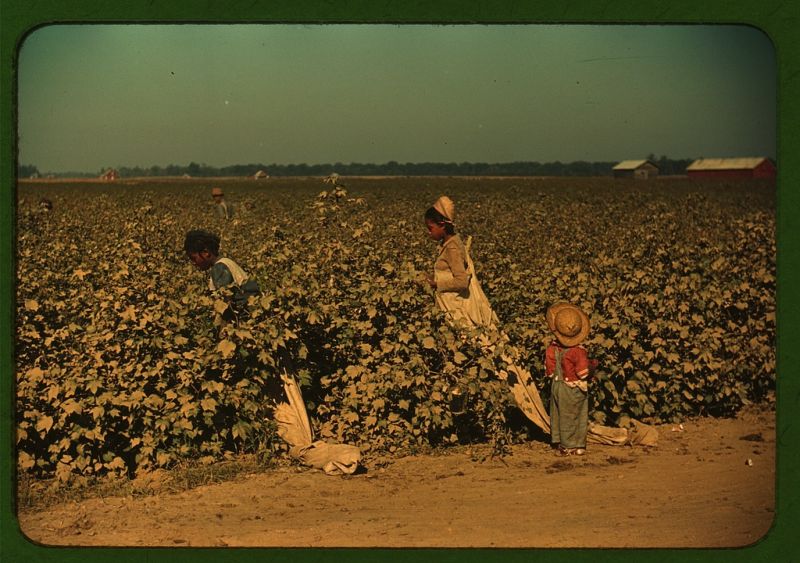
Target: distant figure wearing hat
222,209
569,366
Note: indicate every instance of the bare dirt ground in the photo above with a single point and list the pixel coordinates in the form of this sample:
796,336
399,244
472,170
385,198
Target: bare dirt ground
710,483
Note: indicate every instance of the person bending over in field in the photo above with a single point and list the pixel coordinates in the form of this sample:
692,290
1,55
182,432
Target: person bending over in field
202,248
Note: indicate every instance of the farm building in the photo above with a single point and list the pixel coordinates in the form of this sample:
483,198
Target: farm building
639,169
109,174
260,175
756,167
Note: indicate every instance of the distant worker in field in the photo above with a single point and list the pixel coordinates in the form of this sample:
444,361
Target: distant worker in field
32,218
222,209
45,205
568,365
202,248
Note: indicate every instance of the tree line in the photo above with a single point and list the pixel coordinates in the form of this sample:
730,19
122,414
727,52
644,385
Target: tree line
666,167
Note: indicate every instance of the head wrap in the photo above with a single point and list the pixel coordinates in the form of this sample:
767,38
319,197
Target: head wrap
445,206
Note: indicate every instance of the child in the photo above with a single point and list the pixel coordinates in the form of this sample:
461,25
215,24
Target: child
568,364
202,248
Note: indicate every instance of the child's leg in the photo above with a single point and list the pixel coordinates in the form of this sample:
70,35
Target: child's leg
574,407
555,434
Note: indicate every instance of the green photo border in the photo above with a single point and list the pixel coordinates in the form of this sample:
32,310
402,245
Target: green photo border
774,17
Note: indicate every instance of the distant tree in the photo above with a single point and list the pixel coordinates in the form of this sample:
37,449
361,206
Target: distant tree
553,169
27,170
666,166
579,168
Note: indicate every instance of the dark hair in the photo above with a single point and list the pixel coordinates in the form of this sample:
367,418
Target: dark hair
433,215
199,240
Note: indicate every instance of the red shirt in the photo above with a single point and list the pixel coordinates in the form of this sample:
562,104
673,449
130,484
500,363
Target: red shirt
574,362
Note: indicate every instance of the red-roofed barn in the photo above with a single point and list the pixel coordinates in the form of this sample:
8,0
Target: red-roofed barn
731,168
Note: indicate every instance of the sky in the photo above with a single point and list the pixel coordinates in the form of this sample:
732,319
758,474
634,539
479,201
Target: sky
97,96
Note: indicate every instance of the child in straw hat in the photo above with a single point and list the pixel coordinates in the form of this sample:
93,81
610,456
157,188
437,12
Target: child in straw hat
568,364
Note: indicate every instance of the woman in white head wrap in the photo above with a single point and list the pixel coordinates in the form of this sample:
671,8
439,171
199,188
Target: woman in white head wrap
456,287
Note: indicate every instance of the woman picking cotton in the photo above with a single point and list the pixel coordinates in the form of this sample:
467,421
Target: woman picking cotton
456,288
459,295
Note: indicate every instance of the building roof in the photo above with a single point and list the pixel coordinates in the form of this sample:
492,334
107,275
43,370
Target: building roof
632,164
726,163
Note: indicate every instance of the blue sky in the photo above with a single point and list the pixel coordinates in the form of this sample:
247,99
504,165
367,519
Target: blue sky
94,96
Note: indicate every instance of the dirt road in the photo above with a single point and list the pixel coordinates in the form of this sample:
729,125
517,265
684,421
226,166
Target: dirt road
710,483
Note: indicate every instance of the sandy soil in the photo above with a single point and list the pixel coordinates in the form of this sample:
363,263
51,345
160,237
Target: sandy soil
708,484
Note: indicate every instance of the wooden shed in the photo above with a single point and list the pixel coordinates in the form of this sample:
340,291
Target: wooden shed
639,169
732,168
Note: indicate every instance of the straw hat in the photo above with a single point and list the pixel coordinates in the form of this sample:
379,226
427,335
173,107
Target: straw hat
569,324
446,207
216,191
